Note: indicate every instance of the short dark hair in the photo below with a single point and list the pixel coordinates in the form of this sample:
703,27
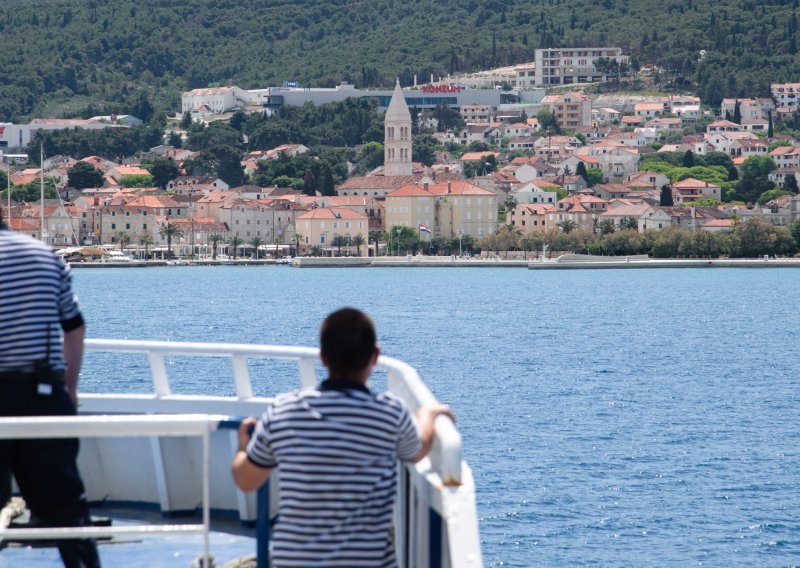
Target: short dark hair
347,341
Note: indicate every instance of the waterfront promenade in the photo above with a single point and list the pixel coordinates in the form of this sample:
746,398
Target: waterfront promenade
563,262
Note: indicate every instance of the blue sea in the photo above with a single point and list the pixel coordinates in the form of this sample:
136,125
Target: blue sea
611,417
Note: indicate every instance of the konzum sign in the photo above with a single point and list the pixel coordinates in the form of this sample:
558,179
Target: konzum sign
441,88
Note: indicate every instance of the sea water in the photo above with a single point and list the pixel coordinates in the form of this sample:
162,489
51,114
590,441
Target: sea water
611,417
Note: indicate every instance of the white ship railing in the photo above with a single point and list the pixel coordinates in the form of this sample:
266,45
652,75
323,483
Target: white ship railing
27,428
436,519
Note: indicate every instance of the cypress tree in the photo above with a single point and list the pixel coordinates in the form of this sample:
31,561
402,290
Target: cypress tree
770,131
737,113
666,196
688,159
790,183
581,171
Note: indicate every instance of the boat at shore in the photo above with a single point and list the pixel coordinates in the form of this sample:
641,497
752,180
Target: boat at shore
170,453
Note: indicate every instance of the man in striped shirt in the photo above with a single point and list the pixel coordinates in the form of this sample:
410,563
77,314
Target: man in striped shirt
39,376
336,448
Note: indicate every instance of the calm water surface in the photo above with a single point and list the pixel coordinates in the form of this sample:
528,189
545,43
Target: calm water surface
611,417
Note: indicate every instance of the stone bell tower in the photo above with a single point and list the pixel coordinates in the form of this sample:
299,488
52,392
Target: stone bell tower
397,136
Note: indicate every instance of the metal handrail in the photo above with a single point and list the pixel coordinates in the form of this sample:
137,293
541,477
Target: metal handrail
18,428
403,379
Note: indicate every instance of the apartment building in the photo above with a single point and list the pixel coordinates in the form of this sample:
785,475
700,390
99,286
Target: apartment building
566,66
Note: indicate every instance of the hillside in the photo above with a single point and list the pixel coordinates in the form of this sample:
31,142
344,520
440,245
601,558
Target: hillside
83,57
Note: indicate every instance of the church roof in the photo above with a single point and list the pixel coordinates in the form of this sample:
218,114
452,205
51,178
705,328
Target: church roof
398,109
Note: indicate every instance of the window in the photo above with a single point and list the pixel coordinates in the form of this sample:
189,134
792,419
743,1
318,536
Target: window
113,226
127,213
113,213
144,226
322,239
127,226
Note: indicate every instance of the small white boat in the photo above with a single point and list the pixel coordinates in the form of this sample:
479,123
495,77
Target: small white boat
172,453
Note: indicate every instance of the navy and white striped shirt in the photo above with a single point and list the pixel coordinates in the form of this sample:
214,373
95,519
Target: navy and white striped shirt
36,302
336,449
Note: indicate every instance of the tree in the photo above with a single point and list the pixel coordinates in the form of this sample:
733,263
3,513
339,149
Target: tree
424,149
122,238
794,230
328,188
136,180
770,128
737,113
607,226
297,238
790,183
256,243
358,242
235,243
548,122
665,199
688,159
215,239
146,239
630,223
595,176
338,241
83,175
309,183
170,231
567,225
581,171
163,171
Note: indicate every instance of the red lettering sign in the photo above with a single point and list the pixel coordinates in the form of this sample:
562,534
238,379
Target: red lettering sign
441,88
2,129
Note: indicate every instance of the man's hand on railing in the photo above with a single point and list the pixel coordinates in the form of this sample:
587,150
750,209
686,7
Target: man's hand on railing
426,417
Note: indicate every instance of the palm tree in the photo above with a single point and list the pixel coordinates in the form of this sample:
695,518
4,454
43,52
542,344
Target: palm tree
606,226
122,237
630,223
278,241
358,241
297,238
236,242
316,250
338,241
215,239
567,225
170,231
255,243
375,236
146,239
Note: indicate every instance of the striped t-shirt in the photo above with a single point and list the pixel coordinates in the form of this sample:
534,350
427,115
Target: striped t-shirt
336,448
36,302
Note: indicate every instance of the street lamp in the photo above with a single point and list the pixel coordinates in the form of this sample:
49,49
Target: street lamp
459,244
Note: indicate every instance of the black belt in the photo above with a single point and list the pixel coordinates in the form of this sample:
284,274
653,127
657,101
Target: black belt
29,375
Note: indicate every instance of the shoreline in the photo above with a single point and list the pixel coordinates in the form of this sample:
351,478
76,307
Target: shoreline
561,263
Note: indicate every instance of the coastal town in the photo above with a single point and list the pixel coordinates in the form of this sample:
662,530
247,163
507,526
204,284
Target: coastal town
529,158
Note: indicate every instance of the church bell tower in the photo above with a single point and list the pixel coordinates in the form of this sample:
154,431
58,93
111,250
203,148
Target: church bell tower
397,136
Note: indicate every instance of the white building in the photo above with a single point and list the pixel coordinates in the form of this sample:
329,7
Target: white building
216,99
18,136
397,139
565,66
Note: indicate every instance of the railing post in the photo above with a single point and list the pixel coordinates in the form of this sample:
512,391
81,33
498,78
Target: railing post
159,373
241,377
263,527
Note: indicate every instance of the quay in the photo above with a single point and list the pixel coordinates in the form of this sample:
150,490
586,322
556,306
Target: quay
563,262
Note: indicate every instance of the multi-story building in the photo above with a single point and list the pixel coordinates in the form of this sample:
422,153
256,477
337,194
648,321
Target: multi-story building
216,100
566,66
320,227
447,209
786,95
571,110
476,113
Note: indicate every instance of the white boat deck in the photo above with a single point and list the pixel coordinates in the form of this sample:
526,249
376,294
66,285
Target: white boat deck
169,454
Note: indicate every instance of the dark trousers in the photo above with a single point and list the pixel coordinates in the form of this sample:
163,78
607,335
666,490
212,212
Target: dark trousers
46,470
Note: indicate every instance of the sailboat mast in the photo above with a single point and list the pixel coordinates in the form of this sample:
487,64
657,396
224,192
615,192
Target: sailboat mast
41,200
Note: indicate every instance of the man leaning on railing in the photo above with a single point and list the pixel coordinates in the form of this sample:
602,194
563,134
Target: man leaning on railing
336,446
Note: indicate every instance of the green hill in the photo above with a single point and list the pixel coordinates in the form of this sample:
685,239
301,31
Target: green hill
80,57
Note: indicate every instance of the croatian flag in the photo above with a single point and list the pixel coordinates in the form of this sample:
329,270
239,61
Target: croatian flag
424,228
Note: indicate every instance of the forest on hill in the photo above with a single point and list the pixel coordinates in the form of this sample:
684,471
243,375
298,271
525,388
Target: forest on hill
84,57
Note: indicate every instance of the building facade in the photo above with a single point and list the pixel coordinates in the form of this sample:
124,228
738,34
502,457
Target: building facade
566,66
